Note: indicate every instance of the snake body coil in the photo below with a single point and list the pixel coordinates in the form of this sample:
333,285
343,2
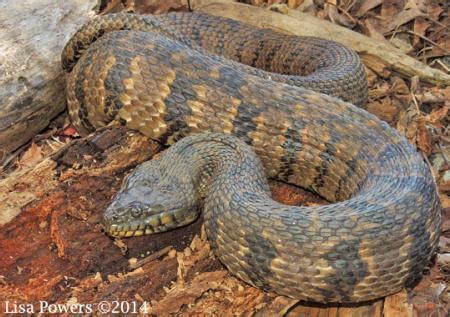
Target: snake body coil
154,74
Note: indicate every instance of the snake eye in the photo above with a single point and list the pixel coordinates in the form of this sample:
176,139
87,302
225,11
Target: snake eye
135,211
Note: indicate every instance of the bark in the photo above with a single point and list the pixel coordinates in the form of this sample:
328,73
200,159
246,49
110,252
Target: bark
33,34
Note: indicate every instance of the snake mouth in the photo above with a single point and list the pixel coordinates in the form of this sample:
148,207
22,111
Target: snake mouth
126,231
150,225
162,222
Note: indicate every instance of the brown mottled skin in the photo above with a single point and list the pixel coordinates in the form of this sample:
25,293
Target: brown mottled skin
158,75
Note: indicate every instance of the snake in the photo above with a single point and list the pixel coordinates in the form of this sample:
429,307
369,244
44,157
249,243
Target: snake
236,105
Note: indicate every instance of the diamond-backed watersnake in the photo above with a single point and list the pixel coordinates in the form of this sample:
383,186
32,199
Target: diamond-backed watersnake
158,75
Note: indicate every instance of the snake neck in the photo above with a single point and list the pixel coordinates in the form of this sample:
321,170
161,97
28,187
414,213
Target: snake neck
204,161
170,192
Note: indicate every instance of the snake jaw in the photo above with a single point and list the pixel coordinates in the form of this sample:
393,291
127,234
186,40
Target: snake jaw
154,219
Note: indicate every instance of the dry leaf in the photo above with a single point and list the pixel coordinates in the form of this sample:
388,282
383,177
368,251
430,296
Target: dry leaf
158,6
433,96
403,17
443,259
444,184
111,6
402,44
399,86
386,110
415,4
373,32
444,245
390,8
421,25
70,131
445,226
445,201
424,137
372,78
32,156
366,6
307,6
292,4
434,10
415,84
337,18
408,122
437,115
375,64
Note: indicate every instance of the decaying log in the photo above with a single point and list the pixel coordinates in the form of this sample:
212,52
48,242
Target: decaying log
33,33
375,53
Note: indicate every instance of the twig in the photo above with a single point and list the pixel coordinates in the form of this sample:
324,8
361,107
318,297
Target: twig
343,11
428,40
419,35
440,63
437,22
150,258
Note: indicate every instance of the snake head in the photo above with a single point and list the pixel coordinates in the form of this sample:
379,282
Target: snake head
148,202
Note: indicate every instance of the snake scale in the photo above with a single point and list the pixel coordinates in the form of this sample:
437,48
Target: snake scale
179,75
